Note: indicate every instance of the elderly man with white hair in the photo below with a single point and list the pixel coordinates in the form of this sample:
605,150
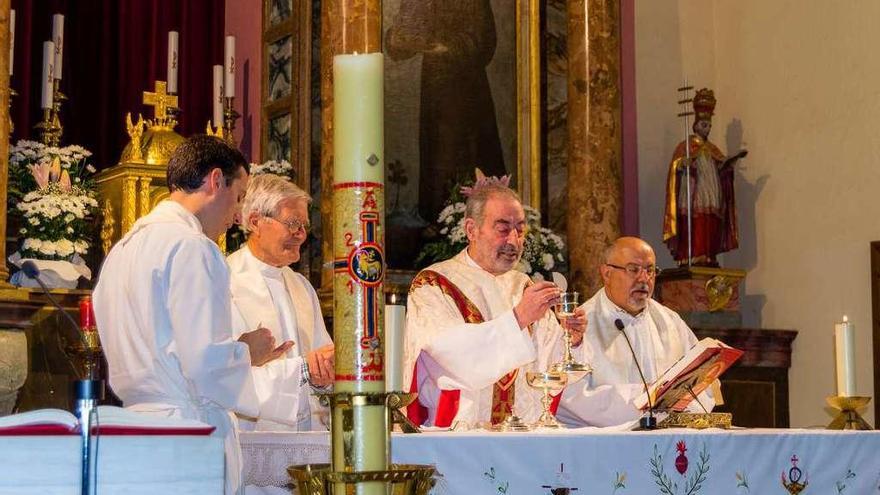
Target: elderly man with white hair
267,293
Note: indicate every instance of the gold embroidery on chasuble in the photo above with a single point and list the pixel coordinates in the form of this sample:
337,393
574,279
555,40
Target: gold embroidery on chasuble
503,391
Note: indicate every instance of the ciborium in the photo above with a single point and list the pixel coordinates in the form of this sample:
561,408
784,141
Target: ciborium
547,381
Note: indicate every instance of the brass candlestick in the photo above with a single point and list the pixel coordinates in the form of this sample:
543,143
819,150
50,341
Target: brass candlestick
50,128
848,418
12,94
58,98
229,118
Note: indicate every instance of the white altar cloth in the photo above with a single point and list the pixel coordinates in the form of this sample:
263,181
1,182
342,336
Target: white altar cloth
594,461
130,465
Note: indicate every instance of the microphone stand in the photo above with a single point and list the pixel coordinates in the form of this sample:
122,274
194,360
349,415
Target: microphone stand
648,422
88,392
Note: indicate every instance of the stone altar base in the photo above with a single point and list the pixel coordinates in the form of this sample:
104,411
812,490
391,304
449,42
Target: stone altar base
704,297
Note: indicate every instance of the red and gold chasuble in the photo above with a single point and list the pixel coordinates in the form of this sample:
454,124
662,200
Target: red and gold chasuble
503,392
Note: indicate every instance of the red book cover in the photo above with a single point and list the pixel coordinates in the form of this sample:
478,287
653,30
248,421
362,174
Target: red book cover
690,375
110,421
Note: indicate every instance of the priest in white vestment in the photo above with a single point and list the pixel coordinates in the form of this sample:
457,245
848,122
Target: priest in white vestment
267,293
658,335
475,325
163,308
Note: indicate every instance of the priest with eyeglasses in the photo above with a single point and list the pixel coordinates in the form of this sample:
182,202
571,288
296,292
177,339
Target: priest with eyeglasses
658,335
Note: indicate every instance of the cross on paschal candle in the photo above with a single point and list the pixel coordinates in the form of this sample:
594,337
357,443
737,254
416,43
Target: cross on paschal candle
160,100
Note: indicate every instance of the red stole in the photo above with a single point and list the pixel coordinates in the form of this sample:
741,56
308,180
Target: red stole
447,407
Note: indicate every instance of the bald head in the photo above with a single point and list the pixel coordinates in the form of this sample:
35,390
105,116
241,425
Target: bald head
625,245
629,273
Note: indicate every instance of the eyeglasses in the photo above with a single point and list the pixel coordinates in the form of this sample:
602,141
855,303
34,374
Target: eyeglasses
634,270
294,226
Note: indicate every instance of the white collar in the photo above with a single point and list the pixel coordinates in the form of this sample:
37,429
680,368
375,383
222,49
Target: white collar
264,268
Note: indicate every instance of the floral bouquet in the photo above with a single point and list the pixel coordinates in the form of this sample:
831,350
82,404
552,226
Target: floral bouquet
543,250
282,168
52,194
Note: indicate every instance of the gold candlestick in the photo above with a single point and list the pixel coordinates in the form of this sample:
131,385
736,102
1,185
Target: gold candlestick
12,94
58,98
229,118
848,418
50,128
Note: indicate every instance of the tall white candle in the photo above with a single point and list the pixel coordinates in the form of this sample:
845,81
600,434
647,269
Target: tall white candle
58,39
218,96
358,105
172,62
11,40
229,67
48,74
395,317
844,340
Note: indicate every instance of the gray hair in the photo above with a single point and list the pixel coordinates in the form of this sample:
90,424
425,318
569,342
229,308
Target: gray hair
476,202
265,192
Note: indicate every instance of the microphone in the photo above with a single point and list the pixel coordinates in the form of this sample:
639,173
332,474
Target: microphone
88,392
648,422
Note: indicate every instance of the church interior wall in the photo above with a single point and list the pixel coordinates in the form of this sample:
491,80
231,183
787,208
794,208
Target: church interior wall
797,85
244,21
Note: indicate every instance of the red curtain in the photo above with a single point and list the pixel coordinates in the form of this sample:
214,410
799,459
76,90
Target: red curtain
114,50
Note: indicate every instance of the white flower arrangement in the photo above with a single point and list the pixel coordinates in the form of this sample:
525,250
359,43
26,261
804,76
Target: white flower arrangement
282,168
54,197
543,250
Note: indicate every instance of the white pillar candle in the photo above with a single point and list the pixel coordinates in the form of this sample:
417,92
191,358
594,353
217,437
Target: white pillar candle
218,96
395,318
47,87
844,340
229,67
58,39
358,106
172,62
11,40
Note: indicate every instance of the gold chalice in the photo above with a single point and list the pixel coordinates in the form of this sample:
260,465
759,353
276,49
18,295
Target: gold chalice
564,309
548,381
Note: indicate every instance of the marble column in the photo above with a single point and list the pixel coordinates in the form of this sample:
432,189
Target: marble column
594,137
347,26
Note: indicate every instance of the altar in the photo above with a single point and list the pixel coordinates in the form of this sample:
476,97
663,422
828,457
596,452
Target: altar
126,464
604,461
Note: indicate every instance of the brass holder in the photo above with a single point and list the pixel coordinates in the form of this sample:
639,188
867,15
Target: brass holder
848,418
87,352
547,381
50,128
229,118
324,479
12,94
697,421
512,423
404,479
397,403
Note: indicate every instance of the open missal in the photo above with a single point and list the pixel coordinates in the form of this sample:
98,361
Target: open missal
111,421
690,375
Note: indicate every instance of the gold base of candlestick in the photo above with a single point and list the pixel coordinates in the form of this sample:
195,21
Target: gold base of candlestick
403,479
848,418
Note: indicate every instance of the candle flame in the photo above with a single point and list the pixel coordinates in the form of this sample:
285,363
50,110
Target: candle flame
845,319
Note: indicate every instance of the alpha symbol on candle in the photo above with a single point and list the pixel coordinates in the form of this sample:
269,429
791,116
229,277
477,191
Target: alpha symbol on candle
174,61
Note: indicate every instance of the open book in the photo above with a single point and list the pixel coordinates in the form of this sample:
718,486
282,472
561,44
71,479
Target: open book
111,421
690,375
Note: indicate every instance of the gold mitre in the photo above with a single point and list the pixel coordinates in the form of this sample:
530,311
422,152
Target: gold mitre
153,141
704,104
